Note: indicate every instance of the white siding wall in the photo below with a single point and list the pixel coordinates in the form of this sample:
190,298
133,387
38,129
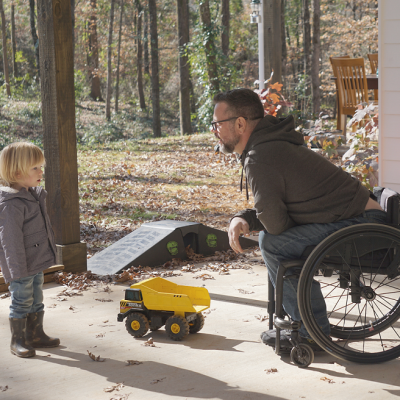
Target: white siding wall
389,94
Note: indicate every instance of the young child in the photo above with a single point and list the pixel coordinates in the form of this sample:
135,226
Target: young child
27,244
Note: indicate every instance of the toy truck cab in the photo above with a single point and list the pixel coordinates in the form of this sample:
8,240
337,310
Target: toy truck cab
133,300
155,302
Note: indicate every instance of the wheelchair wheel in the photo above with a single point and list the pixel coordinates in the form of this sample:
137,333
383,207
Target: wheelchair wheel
357,270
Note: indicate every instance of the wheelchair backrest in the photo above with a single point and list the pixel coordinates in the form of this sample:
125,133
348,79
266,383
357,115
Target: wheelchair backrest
389,200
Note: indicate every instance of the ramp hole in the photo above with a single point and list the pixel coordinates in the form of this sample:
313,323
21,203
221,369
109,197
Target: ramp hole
192,240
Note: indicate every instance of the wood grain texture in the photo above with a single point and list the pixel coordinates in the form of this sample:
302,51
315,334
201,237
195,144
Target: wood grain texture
58,110
73,257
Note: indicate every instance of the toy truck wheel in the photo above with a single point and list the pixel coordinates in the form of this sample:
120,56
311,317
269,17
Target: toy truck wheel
177,327
137,324
197,324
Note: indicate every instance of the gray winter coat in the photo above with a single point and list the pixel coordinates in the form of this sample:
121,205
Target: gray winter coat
26,237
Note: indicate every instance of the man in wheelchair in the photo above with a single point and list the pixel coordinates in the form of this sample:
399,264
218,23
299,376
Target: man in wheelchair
300,198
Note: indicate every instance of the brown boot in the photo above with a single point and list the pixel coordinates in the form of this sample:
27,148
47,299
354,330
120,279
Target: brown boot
35,335
19,347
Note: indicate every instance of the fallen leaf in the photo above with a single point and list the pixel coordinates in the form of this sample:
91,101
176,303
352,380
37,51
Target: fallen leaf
157,380
149,343
133,362
271,370
94,358
111,388
327,380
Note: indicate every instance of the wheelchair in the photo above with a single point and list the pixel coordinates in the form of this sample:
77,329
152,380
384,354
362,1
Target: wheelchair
358,270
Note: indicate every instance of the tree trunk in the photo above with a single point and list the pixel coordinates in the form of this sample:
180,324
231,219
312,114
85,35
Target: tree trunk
272,39
155,79
34,33
93,58
277,60
316,94
283,40
146,42
118,56
183,67
73,31
109,55
5,61
210,49
139,58
225,27
307,36
13,42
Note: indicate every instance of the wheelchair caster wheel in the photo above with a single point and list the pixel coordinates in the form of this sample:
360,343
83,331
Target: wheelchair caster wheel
302,355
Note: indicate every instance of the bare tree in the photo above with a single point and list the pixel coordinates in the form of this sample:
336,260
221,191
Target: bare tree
5,61
225,27
139,57
316,93
183,67
35,38
146,42
272,39
155,79
109,55
73,30
283,40
13,42
210,49
118,55
307,41
93,56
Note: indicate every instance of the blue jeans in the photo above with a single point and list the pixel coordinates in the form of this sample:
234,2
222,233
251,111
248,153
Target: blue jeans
290,245
26,296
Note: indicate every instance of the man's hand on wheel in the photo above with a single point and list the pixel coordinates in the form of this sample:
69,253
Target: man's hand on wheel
237,226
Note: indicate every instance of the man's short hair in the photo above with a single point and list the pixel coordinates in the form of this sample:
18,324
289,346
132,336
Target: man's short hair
241,103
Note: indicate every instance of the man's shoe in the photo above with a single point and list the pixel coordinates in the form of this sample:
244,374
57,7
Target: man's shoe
269,337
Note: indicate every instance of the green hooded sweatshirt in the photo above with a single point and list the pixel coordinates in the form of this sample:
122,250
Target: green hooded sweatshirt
291,184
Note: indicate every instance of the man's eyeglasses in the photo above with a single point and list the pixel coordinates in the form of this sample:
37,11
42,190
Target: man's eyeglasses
214,123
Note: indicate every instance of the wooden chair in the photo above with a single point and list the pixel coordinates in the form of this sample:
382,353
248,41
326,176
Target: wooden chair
337,94
352,87
373,60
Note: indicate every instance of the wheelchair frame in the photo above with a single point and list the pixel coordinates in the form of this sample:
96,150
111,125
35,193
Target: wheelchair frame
365,259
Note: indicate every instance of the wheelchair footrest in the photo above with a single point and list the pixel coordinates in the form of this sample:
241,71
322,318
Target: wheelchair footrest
287,325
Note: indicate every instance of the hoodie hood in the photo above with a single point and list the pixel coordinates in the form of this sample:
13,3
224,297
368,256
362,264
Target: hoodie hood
271,129
33,194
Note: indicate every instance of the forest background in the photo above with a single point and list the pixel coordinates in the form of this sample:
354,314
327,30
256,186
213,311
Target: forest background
133,61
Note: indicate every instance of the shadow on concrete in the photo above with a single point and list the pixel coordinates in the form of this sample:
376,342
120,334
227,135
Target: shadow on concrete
155,377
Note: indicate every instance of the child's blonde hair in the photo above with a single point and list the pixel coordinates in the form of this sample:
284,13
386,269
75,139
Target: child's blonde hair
17,158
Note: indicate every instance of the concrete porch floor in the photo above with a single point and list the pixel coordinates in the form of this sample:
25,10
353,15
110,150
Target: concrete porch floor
225,360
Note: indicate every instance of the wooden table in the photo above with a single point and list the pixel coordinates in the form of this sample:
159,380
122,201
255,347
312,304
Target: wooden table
372,81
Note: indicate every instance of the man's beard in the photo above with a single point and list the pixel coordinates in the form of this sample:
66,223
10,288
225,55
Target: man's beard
229,146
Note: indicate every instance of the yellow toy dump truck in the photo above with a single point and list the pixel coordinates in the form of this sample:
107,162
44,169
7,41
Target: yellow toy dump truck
155,302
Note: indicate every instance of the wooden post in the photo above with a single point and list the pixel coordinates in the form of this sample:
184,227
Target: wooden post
58,113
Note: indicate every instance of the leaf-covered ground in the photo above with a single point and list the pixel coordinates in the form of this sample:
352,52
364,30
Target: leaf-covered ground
126,183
